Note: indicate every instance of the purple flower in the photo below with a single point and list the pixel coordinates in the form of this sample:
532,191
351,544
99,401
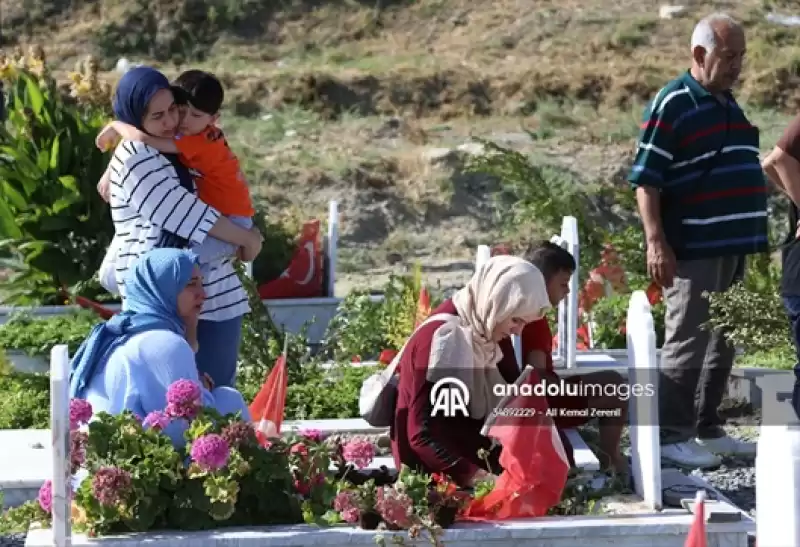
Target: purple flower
80,412
77,449
46,496
183,399
210,451
110,485
314,435
157,419
239,433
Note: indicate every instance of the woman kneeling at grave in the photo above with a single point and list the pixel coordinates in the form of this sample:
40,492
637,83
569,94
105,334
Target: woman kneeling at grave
460,341
128,362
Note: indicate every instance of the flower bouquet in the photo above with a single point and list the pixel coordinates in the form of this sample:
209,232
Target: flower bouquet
136,479
415,502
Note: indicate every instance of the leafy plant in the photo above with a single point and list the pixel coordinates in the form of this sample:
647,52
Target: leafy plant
54,226
37,336
609,315
25,401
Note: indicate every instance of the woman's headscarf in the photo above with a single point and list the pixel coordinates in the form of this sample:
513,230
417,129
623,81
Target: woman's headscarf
504,287
135,90
153,286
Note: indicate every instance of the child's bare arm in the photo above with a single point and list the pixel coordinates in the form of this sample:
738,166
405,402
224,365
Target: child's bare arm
129,132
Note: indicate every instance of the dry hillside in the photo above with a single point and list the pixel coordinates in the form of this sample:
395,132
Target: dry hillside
368,102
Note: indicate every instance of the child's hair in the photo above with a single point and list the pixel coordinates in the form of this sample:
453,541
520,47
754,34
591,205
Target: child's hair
202,90
550,259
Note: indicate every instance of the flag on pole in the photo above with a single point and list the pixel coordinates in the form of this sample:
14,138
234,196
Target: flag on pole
697,533
267,408
423,306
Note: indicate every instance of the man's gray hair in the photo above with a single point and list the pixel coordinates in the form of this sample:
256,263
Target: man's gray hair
704,34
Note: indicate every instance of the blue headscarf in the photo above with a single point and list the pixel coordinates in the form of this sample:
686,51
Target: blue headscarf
152,286
134,92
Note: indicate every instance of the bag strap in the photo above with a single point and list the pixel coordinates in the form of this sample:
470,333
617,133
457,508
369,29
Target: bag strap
389,371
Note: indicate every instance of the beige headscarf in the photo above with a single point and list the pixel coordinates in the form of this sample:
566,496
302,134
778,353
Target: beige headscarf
504,287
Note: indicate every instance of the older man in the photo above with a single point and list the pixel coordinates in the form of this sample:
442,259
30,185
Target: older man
703,202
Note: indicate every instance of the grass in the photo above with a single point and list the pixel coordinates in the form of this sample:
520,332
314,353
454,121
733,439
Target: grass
344,100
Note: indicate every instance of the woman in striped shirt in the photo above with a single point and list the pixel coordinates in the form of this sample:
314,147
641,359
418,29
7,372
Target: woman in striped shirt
153,204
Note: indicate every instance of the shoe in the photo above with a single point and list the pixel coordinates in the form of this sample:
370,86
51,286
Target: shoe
728,446
689,454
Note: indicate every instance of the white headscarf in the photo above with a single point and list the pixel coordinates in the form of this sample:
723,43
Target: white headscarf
504,287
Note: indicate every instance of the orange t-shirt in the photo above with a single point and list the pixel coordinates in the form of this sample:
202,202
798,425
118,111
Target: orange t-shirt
538,336
222,184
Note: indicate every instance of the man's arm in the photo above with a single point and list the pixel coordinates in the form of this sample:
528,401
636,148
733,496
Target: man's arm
654,156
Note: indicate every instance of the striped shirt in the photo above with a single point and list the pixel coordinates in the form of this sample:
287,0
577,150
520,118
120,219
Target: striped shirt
147,201
702,154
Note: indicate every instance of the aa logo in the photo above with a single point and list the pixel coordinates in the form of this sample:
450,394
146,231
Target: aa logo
449,396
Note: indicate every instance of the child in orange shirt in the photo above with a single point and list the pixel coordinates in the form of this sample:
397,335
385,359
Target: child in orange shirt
202,147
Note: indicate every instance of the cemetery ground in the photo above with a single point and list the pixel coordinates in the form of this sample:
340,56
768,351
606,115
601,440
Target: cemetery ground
361,101
382,106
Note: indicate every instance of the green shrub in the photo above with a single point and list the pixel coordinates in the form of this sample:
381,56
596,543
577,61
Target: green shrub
24,401
54,226
37,336
609,316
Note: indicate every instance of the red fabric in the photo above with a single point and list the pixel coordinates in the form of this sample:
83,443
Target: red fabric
303,277
102,311
267,408
535,465
436,444
423,306
697,533
538,336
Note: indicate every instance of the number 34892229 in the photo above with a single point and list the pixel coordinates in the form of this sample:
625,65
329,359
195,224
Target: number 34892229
514,412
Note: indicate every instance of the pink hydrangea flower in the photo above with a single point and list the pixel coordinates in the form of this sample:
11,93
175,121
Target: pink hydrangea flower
359,453
46,496
80,412
157,420
299,449
183,399
210,451
313,435
345,504
110,485
393,506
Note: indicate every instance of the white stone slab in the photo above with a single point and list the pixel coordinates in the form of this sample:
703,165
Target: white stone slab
584,457
643,372
26,458
353,426
619,531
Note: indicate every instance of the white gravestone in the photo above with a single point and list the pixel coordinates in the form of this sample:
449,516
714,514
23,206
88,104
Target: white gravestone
568,308
643,410
59,428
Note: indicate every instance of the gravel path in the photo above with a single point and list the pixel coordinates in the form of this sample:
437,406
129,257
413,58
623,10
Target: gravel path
736,477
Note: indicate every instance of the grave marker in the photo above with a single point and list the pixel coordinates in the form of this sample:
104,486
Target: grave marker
643,410
59,431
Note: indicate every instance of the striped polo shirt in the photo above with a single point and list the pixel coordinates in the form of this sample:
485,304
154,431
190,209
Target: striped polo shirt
705,214
146,201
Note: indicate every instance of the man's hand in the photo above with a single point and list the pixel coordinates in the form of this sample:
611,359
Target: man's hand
107,138
661,263
250,250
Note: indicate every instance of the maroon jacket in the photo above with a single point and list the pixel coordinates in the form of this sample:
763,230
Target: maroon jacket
438,444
